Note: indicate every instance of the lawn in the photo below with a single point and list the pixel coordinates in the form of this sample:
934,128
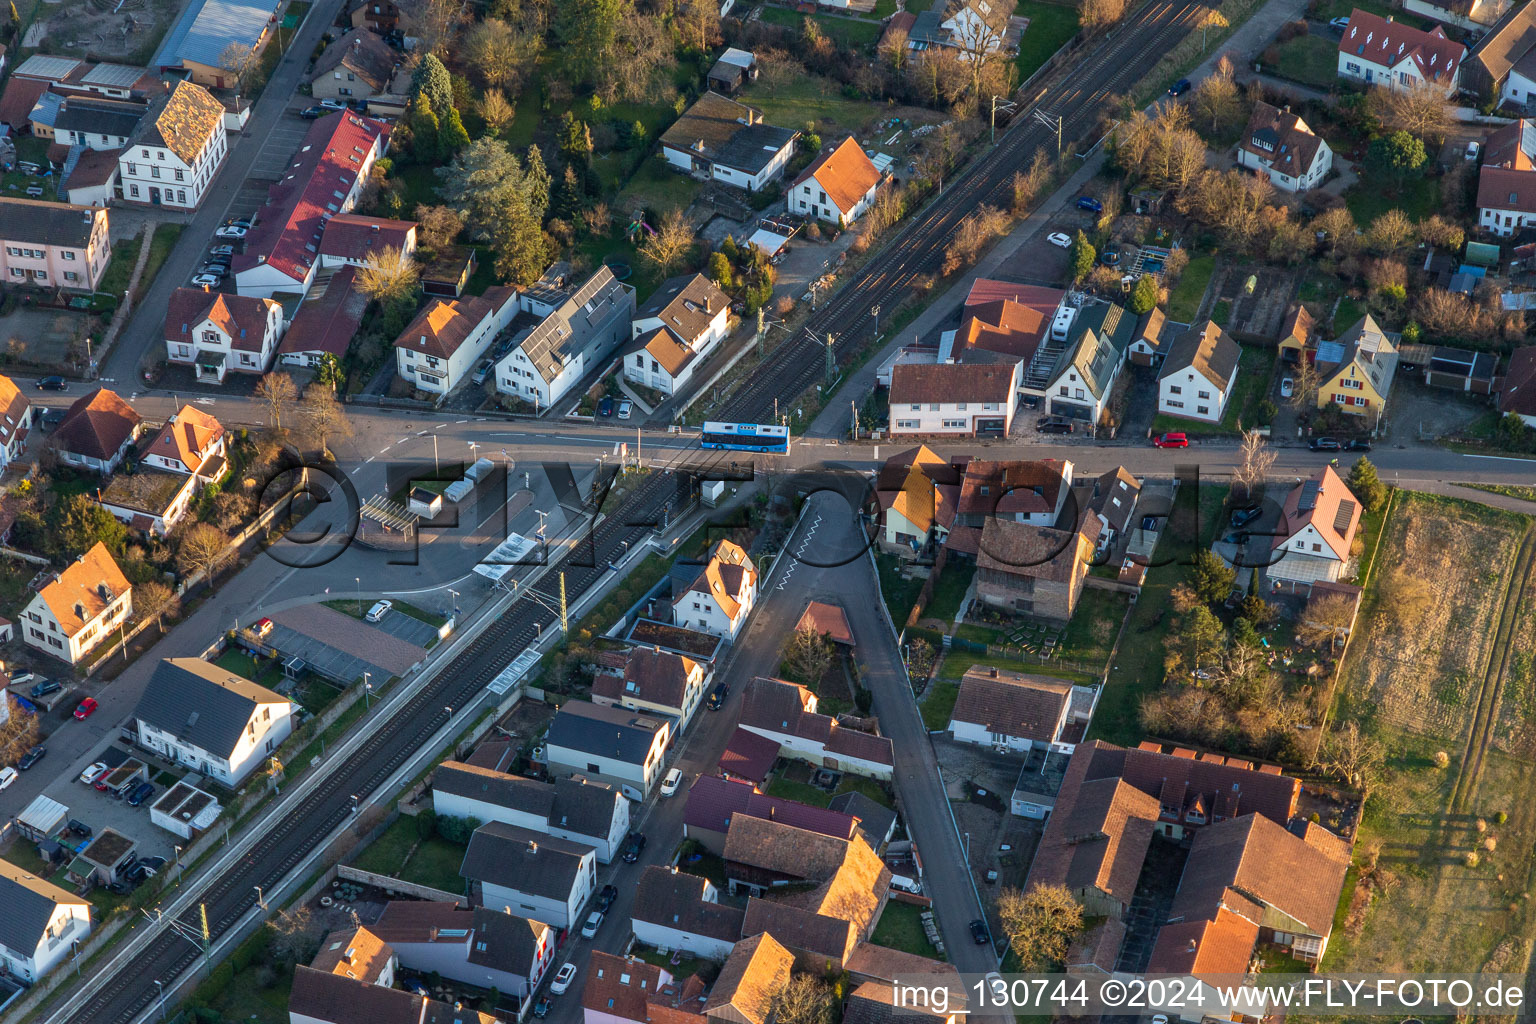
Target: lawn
1310,60
1418,198
1184,301
849,33
114,280
950,591
1091,633
1050,26
939,703
402,854
1520,491
901,927
273,52
899,592
257,670
160,247
1255,368
654,185
805,793
810,98
1349,313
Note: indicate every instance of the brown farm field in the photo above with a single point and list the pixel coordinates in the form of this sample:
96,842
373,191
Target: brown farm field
1447,845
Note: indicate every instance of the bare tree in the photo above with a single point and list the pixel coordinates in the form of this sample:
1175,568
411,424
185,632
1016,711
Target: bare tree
973,235
242,62
1423,110
698,23
893,48
295,936
1391,232
1254,459
1352,756
154,600
276,392
495,111
1216,96
439,226
1101,14
670,244
1041,923
203,549
433,23
1404,596
1325,620
18,733
806,999
502,55
978,37
1304,386
388,275
324,418
808,654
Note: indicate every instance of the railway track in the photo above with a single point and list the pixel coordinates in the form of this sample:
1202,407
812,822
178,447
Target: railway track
1076,95
120,997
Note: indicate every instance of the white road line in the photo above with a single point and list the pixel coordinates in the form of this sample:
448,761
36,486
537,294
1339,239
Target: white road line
440,426
369,459
385,449
1498,458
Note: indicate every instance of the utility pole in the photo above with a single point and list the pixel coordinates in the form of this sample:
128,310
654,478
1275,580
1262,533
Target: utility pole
831,362
367,692
853,407
202,909
762,331
874,311
1008,107
565,626
436,467
1052,122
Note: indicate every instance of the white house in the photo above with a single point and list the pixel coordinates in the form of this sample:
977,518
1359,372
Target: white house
1379,51
676,910
786,713
359,953
185,810
1198,375
1015,710
216,333
1315,533
1506,183
331,997
722,595
628,990
654,681
573,808
838,186
720,139
678,326
528,874
41,925
149,500
177,150
95,123
16,426
622,747
477,946
210,720
1079,376
439,348
191,443
72,615
575,337
1282,146
352,239
962,399
97,432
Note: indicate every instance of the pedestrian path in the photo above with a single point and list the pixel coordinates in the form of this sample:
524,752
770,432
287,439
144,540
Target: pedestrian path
125,306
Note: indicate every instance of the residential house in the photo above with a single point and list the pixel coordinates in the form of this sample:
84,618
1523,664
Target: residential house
529,874
1034,492
876,822
1296,335
575,808
1376,50
1035,570
95,123
191,443
749,982
1506,182
89,177
74,614
352,239
1517,395
1315,534
96,432
838,186
969,26
578,334
1477,16
877,1002
1356,372
358,953
325,997
1199,373
733,69
211,720
42,923
628,990
1075,378
918,493
960,399
786,712
722,140
198,41
1112,497
479,946
379,16
1502,66
328,174
722,595
1458,369
176,151
356,66
439,348
713,800
16,409
1018,711
676,910
216,333
653,680
1282,146
330,316
150,501
621,747
1154,336
53,245
679,325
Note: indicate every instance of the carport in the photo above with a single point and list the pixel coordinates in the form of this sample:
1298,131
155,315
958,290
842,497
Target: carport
340,648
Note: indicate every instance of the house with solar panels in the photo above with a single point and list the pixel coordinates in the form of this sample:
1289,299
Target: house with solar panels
1317,527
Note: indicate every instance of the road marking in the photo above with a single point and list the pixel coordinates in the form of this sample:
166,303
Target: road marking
385,449
440,426
421,433
369,459
1498,458
404,439
461,421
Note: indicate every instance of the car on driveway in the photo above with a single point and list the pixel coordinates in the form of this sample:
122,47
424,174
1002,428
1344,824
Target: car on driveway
1473,149
330,104
633,847
1244,516
379,610
142,792
7,776
1287,387
610,892
1173,440
1053,425
1059,239
563,978
46,687
1090,204
979,932
311,113
94,772
1340,24
594,922
32,756
625,408
86,709
671,782
1324,444
605,406
52,384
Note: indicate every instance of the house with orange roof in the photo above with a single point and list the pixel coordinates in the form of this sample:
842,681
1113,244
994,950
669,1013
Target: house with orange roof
1316,531
190,443
722,595
838,186
96,432
439,348
750,981
16,425
175,152
919,493
72,615
215,332
1379,51
1506,184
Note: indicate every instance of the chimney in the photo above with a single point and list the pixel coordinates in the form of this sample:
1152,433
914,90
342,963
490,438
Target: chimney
1191,945
994,673
709,300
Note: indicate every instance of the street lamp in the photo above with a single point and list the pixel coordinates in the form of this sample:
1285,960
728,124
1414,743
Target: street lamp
472,446
178,865
367,691
874,311
455,595
359,581
161,989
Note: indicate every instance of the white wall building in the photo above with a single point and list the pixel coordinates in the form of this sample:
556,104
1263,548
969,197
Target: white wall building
210,720
722,595
838,186
75,613
577,336
529,874
573,808
176,152
679,325
440,348
216,333
625,748
41,925
1198,376
962,399
1379,51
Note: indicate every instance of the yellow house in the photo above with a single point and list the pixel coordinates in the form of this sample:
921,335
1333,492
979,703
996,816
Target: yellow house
1355,372
1296,334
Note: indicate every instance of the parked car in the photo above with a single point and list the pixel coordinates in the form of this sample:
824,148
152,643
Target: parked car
1090,204
605,406
330,104
1340,24
717,696
633,847
46,687
80,828
7,776
379,610
101,781
605,898
1059,240
1053,425
483,371
32,756
52,384
142,792
150,866
593,923
310,113
94,772
22,678
625,408
86,709
563,978
1179,88
222,250
1287,387
671,782
230,231
1244,516
979,932
239,222
262,627
542,1007
207,279
1325,444
1473,149
1171,440
1359,444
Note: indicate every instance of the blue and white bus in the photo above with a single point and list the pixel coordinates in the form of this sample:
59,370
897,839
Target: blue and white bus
768,439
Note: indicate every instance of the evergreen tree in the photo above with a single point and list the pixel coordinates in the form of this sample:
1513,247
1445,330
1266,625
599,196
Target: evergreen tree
569,197
720,269
588,31
424,129
575,140
521,252
1366,485
1081,257
1144,295
431,79
536,184
451,136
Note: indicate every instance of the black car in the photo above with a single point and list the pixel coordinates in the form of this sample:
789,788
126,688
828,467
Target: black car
311,113
142,792
31,757
542,1007
633,846
1244,516
46,687
717,696
605,406
1325,444
606,897
238,222
154,864
80,828
1179,88
979,932
1053,425
52,384
1359,444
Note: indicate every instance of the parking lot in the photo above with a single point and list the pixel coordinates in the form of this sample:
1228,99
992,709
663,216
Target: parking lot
100,809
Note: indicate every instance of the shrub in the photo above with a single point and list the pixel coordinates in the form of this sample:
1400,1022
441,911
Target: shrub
426,824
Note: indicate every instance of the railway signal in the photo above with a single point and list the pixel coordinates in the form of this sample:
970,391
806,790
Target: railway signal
1052,122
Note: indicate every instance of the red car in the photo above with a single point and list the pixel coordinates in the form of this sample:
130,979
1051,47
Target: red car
86,708
1171,441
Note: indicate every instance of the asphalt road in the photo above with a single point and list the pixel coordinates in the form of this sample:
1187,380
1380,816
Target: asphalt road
118,997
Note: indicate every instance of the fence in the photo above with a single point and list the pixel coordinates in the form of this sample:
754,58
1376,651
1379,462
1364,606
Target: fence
391,884
925,595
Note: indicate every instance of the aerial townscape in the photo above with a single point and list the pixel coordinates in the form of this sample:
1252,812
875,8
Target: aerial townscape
699,512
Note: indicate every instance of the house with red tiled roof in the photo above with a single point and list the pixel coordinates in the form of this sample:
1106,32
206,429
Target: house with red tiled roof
956,399
1018,711
439,348
722,595
176,151
1379,51
1281,145
282,252
328,319
1517,394
96,432
651,679
1317,527
351,239
15,421
918,493
71,616
190,443
786,713
838,186
216,333
712,800
1506,183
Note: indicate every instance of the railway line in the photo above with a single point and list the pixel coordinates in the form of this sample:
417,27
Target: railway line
1076,93
119,997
